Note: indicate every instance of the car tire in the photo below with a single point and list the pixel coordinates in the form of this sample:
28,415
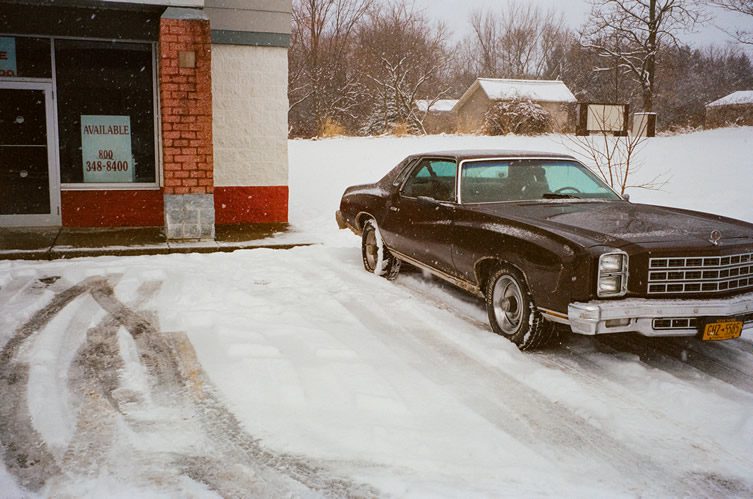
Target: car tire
371,247
512,312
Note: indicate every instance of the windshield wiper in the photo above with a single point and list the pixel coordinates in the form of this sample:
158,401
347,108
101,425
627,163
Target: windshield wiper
554,195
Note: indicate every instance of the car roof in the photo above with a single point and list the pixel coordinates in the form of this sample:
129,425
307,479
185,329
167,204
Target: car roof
466,154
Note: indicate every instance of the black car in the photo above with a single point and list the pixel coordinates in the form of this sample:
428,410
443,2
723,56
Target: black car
545,241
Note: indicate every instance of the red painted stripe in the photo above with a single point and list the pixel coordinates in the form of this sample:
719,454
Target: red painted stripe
240,205
112,208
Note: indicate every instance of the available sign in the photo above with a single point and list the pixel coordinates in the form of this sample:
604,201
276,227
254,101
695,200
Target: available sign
106,149
8,56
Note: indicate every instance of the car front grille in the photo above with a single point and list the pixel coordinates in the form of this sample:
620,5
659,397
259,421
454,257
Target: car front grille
703,274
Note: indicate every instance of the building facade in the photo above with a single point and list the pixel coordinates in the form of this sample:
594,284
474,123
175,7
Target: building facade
438,116
552,95
735,109
144,113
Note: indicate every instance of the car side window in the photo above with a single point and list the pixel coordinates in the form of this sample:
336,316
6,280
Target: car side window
407,167
434,178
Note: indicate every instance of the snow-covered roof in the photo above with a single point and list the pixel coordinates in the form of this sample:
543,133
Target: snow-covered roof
440,106
735,98
535,90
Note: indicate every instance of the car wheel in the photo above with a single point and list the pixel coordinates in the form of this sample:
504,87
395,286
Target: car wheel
512,313
377,259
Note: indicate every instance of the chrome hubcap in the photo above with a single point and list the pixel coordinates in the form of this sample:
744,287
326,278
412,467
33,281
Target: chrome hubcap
371,249
508,300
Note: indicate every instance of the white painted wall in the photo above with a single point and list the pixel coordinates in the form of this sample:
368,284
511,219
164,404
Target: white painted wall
250,115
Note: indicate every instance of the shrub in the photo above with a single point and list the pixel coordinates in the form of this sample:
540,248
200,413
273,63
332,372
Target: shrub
401,129
331,128
519,117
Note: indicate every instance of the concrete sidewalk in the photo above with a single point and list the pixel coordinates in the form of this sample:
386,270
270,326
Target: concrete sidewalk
50,243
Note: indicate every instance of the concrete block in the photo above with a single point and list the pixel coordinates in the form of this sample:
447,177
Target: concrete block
189,216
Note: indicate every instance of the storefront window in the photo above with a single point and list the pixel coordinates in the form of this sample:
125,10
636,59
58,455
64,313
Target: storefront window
23,57
105,112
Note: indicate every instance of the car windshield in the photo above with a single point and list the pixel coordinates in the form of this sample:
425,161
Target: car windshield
492,181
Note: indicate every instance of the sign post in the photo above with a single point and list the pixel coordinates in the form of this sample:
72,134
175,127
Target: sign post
106,149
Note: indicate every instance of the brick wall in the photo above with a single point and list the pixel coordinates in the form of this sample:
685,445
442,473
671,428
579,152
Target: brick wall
186,107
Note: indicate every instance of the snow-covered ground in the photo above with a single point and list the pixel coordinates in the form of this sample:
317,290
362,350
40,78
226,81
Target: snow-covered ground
271,373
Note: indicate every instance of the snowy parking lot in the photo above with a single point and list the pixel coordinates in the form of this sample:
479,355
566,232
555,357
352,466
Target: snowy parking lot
295,373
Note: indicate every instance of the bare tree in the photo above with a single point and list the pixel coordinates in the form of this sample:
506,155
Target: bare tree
322,85
402,57
693,77
517,41
632,33
742,7
485,43
614,158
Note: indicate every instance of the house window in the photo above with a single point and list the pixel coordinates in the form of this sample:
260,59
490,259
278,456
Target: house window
105,112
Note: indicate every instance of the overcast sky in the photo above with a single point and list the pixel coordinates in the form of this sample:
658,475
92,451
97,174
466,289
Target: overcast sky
455,14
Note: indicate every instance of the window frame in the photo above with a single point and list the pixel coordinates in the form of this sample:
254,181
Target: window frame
405,172
158,172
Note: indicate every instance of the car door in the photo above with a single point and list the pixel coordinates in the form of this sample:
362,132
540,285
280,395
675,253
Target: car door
420,214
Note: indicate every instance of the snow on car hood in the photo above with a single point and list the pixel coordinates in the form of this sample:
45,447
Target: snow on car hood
622,223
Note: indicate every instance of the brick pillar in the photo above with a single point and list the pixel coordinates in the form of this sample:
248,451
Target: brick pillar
185,85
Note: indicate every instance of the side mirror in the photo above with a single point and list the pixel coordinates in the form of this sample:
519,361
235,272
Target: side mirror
626,197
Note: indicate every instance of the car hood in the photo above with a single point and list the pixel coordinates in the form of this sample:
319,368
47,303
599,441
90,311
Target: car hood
622,224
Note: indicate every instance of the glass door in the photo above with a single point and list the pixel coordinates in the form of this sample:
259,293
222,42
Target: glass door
29,185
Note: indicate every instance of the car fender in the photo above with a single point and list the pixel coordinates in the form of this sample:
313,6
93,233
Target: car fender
550,264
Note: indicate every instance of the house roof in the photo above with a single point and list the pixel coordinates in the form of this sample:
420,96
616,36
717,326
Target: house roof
735,98
439,106
535,90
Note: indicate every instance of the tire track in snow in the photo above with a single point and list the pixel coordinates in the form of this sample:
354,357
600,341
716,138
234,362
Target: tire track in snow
171,361
717,360
596,377
230,462
95,374
219,422
535,420
675,355
107,405
25,453
656,354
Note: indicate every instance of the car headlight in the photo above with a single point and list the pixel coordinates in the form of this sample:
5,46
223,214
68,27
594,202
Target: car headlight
613,274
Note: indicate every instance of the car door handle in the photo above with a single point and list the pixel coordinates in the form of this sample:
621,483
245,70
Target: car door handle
394,208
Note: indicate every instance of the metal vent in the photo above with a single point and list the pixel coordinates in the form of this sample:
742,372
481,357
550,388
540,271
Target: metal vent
674,323
709,274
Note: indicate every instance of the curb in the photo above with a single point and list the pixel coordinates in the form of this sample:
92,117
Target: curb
62,254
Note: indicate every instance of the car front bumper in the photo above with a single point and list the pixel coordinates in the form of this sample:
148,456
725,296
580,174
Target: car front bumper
340,219
638,315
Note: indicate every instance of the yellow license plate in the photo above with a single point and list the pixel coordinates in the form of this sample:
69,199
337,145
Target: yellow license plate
722,330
